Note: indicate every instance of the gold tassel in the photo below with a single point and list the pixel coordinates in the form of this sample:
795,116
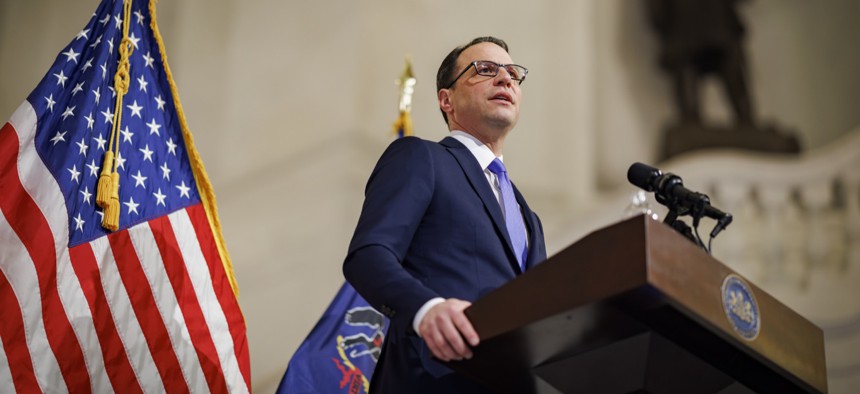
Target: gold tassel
403,125
407,123
105,185
110,220
111,217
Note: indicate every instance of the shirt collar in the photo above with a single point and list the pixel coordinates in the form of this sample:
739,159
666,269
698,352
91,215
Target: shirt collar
481,152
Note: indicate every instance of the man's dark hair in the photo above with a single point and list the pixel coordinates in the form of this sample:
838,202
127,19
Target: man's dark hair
447,68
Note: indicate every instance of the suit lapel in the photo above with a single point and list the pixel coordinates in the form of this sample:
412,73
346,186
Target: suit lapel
531,228
475,175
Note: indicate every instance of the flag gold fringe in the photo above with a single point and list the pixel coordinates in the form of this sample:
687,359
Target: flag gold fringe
204,186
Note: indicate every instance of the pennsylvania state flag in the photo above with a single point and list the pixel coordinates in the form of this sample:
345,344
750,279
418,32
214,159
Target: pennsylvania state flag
340,353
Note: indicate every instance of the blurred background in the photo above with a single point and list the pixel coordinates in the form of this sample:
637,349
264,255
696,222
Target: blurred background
291,103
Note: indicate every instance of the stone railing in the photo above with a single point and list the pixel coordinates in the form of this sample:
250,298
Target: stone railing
795,216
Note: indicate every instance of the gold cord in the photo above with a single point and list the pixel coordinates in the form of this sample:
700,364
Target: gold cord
107,193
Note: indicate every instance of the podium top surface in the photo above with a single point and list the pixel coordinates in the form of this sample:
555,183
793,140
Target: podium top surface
640,254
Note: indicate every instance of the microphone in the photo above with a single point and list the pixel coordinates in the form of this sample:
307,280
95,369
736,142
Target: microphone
669,190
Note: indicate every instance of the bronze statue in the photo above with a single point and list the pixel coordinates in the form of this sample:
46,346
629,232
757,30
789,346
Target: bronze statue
700,38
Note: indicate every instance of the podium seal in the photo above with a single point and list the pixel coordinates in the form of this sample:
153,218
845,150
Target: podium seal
740,307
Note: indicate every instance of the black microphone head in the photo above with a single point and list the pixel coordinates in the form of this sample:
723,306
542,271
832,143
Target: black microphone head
643,176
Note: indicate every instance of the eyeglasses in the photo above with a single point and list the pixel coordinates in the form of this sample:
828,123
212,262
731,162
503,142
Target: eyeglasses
491,69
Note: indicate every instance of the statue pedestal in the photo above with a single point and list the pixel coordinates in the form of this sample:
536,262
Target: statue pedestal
683,138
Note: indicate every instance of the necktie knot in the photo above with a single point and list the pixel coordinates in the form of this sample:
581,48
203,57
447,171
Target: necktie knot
497,167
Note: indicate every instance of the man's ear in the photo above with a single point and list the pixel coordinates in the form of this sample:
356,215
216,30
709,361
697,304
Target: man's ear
444,97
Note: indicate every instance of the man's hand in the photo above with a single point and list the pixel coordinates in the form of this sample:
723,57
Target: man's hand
445,327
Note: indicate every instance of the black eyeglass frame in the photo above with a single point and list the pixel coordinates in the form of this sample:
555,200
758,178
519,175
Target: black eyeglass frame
498,66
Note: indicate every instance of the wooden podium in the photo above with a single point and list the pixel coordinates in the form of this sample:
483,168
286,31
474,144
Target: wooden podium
635,307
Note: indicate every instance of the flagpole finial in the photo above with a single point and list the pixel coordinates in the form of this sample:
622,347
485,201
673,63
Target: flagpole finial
407,81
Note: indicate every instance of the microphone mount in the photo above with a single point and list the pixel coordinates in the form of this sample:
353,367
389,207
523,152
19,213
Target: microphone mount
669,191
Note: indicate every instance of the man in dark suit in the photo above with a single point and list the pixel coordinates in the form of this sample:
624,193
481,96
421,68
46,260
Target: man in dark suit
442,225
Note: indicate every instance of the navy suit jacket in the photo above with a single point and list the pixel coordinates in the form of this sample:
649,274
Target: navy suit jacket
430,227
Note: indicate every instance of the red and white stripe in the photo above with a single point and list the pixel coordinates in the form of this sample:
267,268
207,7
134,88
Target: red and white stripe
145,309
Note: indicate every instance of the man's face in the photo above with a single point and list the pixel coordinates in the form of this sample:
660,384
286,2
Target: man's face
477,102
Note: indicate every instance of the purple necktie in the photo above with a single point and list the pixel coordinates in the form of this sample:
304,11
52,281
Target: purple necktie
513,217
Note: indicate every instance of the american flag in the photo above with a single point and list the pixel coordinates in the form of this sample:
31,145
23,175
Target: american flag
150,307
